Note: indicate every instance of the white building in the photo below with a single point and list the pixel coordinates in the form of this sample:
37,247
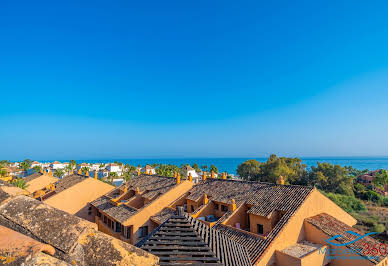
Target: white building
95,167
114,168
56,165
190,170
148,169
35,163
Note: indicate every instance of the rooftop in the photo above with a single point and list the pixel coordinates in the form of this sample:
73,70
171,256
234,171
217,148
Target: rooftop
150,186
299,250
262,198
72,239
183,239
333,227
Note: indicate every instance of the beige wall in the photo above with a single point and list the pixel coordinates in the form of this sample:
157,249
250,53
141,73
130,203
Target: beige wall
255,220
40,183
294,232
75,200
143,216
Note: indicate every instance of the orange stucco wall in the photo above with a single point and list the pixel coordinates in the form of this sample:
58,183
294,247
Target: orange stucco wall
75,200
294,232
317,236
142,216
255,220
314,258
40,183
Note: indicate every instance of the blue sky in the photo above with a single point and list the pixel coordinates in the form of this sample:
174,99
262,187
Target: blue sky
126,79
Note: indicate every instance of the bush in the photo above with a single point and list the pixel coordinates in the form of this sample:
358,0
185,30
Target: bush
379,228
348,203
385,202
373,196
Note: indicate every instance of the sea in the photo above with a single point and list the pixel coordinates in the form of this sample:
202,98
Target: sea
230,165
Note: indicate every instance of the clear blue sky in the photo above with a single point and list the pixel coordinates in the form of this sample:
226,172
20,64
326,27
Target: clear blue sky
130,79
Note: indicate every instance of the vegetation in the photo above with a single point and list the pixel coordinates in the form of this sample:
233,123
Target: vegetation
196,167
85,170
37,168
25,165
20,183
167,169
59,173
336,182
213,168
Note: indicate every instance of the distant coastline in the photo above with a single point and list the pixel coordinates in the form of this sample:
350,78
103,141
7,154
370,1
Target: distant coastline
230,164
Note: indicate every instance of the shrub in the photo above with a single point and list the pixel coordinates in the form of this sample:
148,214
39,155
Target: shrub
379,228
385,201
373,196
348,203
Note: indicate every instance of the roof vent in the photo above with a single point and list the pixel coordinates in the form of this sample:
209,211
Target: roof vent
179,210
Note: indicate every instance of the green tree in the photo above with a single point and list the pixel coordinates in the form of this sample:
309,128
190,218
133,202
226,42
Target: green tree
112,175
25,165
213,168
249,170
68,168
291,169
130,168
204,167
380,179
85,170
196,167
59,173
167,169
37,168
127,176
331,178
72,164
379,228
20,183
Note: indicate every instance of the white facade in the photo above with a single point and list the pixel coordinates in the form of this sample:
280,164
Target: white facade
57,165
148,169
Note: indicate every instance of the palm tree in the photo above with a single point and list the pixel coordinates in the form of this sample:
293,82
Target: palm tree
84,170
59,173
25,165
69,168
73,164
112,176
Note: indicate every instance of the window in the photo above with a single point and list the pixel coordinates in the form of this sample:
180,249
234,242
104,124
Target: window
118,227
99,214
128,232
109,222
224,208
143,231
215,206
260,229
89,213
192,208
105,219
90,208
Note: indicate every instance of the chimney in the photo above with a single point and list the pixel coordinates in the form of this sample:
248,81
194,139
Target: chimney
175,175
95,175
223,175
41,170
178,178
72,172
203,176
233,205
125,189
190,177
87,173
50,173
146,172
280,180
179,211
80,172
212,174
137,190
205,199
138,171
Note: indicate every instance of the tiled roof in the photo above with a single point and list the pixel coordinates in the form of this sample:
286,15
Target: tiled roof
121,213
32,177
333,227
151,186
68,181
76,241
263,198
163,215
183,239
